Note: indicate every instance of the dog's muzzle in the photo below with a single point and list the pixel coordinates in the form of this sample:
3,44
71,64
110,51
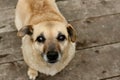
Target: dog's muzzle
52,56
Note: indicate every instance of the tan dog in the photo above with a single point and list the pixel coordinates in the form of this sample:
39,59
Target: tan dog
48,41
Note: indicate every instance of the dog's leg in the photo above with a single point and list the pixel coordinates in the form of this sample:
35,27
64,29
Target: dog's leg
32,74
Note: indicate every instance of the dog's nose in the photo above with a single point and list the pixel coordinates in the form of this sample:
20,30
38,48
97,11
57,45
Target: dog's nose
52,56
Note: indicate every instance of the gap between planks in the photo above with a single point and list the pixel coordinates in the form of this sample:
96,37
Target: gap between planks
111,77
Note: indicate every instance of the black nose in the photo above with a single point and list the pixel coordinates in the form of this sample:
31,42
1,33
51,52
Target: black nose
52,56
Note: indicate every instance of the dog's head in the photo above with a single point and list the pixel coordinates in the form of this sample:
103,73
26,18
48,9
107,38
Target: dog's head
50,39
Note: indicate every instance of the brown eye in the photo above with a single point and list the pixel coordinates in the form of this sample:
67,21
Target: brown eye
40,39
61,38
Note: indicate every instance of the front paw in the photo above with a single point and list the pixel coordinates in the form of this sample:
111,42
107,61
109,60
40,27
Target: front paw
32,74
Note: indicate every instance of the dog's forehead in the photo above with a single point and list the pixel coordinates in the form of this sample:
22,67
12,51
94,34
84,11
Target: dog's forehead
49,29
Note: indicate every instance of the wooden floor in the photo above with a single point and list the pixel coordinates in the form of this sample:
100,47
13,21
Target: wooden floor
97,23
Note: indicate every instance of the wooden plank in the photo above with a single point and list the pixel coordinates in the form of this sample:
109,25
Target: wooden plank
7,14
116,77
97,31
91,32
7,20
88,64
5,4
9,40
9,47
82,9
92,64
13,71
79,8
71,9
7,9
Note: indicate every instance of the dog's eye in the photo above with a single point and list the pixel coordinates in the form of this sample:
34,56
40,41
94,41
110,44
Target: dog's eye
41,39
61,37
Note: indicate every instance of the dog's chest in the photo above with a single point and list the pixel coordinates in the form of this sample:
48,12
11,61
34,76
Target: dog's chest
48,70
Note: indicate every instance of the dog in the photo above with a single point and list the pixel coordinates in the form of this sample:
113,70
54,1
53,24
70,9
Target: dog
48,40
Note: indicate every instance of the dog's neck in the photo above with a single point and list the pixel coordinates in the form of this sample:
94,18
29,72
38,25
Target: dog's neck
44,10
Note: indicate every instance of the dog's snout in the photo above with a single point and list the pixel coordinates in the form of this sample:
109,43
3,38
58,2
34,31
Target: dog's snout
52,56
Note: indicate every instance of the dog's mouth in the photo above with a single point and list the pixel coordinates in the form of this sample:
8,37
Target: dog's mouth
52,57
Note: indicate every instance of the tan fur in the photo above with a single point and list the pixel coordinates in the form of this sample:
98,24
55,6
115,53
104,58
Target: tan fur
44,17
35,11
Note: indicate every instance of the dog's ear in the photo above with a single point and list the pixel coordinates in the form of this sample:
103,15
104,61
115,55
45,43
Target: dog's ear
25,30
71,32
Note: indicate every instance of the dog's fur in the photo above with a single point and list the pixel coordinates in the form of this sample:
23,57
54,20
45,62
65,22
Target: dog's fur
36,17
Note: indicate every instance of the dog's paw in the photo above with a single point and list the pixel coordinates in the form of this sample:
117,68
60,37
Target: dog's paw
32,74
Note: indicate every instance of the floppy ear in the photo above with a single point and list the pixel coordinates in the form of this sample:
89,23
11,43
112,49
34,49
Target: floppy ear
71,32
25,30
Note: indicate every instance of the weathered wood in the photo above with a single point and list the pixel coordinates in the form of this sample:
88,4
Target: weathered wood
13,71
7,20
71,9
97,24
82,9
96,31
116,77
93,31
105,31
88,64
9,47
9,40
6,4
